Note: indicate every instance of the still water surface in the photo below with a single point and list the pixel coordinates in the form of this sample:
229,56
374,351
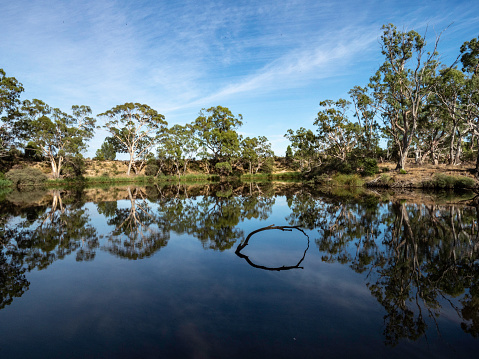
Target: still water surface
165,272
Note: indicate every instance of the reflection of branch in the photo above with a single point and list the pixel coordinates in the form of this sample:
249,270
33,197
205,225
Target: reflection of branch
282,228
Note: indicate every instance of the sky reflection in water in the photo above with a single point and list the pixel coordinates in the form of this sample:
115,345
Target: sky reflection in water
153,272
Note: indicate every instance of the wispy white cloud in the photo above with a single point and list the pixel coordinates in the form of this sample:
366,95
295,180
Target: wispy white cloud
183,55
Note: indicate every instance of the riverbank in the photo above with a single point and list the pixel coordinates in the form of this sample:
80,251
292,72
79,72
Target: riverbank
415,177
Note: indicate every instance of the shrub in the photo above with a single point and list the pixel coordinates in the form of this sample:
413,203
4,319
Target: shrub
151,169
224,168
268,166
402,171
370,167
441,180
386,179
26,177
75,167
347,180
3,181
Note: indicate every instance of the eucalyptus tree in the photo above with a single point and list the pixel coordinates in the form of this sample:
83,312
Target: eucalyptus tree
432,132
451,92
179,145
216,128
470,65
336,134
136,128
306,147
402,84
58,135
107,151
365,111
256,152
10,90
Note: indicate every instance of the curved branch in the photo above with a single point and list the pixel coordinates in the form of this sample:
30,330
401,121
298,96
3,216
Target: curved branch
282,228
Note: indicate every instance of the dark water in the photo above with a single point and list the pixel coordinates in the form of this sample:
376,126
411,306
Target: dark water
164,273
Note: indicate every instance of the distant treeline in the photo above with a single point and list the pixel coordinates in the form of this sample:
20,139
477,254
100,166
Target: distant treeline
413,103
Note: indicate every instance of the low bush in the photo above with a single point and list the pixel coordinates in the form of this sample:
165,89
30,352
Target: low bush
151,169
441,180
369,167
4,182
26,177
386,179
347,180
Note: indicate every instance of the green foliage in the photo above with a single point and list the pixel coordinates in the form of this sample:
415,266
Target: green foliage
337,136
386,180
347,180
151,169
306,147
58,134
75,167
107,151
289,153
135,129
441,180
11,124
257,154
33,152
402,171
4,182
268,165
26,177
178,146
224,168
369,167
216,129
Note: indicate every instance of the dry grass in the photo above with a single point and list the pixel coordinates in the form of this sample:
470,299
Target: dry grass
417,174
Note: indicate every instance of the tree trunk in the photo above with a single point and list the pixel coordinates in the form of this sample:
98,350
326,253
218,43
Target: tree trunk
451,146
129,165
54,167
476,171
457,157
401,164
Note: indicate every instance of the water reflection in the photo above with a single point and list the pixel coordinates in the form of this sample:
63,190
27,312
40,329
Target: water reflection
243,244
136,234
417,260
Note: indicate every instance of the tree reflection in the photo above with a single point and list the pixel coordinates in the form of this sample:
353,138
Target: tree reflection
136,234
34,237
416,258
243,244
213,215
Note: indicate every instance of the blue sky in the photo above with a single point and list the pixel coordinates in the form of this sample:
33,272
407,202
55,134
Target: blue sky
271,61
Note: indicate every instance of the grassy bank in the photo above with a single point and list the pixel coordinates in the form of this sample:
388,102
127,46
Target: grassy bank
272,176
143,180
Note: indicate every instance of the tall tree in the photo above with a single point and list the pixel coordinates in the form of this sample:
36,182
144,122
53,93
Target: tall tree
470,65
306,148
402,83
450,90
365,111
10,90
256,151
336,134
137,128
178,146
58,135
216,129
